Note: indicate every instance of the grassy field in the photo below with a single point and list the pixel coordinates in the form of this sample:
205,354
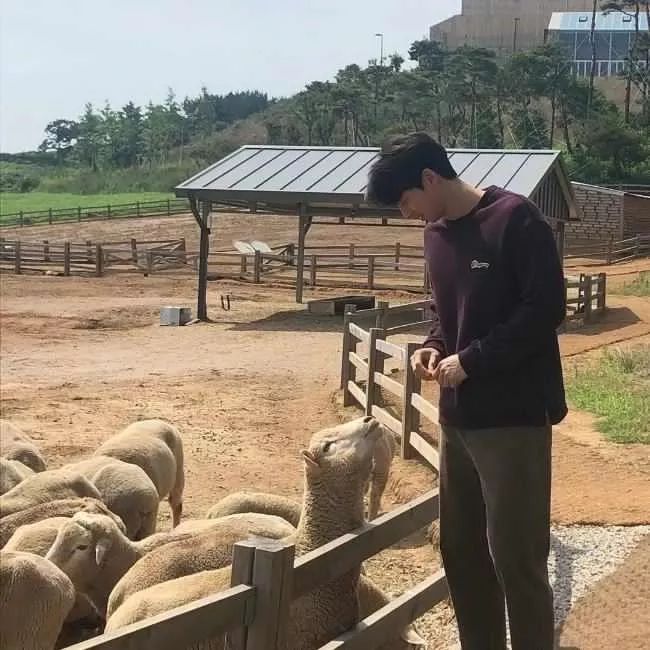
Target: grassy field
616,389
638,287
11,202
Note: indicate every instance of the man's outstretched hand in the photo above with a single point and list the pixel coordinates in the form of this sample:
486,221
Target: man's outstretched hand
425,362
450,372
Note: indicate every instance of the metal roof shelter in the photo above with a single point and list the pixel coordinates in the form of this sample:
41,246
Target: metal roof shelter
607,21
312,182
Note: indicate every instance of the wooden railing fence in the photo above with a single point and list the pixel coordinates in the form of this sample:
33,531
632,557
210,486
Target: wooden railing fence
611,252
586,296
266,577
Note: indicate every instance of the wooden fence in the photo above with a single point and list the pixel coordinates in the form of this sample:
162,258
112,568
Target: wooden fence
94,258
586,296
612,252
266,577
167,207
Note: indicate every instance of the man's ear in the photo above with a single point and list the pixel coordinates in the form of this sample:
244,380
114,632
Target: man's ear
429,177
309,459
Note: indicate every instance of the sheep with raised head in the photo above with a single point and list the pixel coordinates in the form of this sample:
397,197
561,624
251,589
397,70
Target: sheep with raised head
157,448
12,472
337,467
262,502
35,598
381,464
58,508
44,487
211,548
17,445
126,490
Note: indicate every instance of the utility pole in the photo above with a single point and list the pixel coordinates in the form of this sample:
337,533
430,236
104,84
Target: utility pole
381,48
514,36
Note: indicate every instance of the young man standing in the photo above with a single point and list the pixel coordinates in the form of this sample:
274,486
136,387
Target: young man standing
498,294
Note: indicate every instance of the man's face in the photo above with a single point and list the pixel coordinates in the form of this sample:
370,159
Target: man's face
423,203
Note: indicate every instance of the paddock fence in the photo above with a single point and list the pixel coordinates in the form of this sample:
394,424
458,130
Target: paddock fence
608,253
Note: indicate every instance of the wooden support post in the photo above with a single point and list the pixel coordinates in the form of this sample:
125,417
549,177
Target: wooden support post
204,250
380,320
99,261
303,227
272,579
134,250
243,266
137,208
351,256
410,416
149,266
312,271
108,211
17,260
371,271
257,268
291,252
397,255
588,282
602,292
89,251
22,218
243,561
79,214
348,371
46,250
375,333
560,226
66,258
49,216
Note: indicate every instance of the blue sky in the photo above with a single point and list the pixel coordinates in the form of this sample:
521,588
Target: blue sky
56,55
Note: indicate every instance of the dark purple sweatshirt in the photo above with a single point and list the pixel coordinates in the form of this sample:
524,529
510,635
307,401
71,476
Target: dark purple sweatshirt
498,294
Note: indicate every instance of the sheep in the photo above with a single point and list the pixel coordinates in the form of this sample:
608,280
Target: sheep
57,508
157,448
44,487
126,490
209,549
94,553
16,445
381,463
337,466
35,597
36,538
270,504
12,472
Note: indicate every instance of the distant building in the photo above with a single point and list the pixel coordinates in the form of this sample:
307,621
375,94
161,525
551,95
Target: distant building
615,32
502,25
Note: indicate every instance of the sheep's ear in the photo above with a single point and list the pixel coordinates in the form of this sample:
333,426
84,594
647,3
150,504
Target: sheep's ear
102,547
410,635
309,459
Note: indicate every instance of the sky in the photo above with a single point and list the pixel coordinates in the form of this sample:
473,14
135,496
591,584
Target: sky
56,55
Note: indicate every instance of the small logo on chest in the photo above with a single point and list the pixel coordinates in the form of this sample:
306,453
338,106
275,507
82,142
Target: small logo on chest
476,265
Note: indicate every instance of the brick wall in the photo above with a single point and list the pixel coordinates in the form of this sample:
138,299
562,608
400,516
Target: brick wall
601,215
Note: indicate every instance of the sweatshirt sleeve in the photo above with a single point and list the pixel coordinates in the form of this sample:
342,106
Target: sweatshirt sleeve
531,253
434,338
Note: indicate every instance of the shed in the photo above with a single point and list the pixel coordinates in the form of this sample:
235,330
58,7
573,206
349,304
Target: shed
313,183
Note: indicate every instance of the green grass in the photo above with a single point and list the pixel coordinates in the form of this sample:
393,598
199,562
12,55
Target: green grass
638,287
616,388
11,202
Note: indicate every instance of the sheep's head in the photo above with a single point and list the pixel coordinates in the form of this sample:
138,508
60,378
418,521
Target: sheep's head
346,449
29,456
81,545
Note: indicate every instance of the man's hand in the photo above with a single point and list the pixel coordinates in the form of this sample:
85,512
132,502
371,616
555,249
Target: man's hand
424,363
449,372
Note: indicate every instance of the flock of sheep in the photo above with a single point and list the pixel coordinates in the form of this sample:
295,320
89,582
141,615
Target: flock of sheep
80,552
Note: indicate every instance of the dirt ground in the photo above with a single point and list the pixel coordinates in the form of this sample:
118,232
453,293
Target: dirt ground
81,358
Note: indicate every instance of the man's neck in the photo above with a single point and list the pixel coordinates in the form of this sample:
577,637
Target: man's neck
462,199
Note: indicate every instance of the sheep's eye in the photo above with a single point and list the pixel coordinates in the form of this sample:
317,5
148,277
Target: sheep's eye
82,547
326,446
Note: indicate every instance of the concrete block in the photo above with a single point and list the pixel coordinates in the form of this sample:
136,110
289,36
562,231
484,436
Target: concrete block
175,316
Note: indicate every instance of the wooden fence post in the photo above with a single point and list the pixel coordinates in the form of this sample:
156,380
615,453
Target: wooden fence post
312,270
149,264
588,280
272,579
410,416
79,214
242,266
46,250
398,247
380,320
108,211
169,207
372,365
243,560
17,269
66,258
257,269
89,251
22,218
351,264
348,371
134,250
49,216
371,271
602,292
99,261
291,252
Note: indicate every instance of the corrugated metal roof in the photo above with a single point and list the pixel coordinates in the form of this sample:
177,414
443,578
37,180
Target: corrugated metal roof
335,175
613,21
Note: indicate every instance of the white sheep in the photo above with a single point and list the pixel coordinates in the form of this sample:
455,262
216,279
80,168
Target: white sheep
126,490
337,468
57,508
381,464
157,448
35,599
262,502
210,548
17,445
12,472
44,487
36,538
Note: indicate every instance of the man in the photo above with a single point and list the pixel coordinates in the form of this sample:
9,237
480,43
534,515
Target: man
498,294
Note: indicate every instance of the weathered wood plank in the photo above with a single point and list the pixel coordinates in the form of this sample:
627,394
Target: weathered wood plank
425,408
359,333
426,450
392,350
387,419
343,554
357,393
408,326
389,384
358,362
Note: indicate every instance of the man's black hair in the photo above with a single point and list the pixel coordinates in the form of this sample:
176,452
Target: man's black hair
400,165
